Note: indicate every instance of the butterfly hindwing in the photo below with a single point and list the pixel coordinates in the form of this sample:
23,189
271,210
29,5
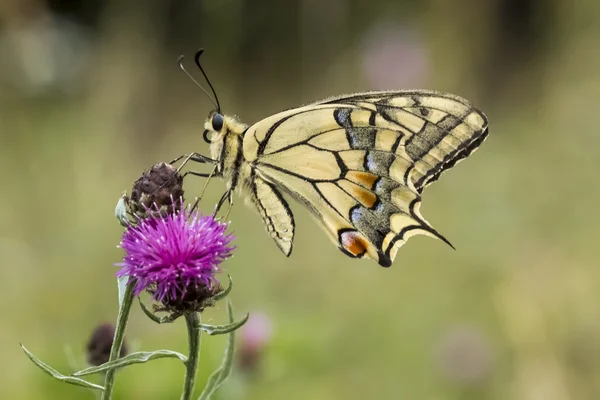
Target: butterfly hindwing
359,163
276,214
331,206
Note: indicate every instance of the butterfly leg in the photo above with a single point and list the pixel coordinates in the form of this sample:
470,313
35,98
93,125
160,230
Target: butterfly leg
230,199
173,161
204,175
187,157
226,196
196,157
220,203
200,174
199,158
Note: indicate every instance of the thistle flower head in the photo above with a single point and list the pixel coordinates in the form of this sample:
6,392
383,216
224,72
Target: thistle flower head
174,255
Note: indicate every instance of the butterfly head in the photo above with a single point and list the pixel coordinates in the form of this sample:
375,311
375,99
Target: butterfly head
223,133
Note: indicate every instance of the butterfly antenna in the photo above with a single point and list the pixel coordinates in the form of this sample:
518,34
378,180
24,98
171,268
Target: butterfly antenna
180,62
197,59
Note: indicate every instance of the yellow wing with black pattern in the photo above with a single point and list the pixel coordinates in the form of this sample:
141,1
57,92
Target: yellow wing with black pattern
359,163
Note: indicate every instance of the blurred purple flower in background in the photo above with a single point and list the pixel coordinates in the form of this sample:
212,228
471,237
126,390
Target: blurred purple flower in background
171,255
394,56
253,339
464,356
100,343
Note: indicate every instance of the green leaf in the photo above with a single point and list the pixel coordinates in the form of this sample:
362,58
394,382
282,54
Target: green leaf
121,211
223,293
57,375
223,329
133,358
121,287
221,374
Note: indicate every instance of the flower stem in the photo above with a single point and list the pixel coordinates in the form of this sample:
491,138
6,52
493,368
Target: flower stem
115,350
193,321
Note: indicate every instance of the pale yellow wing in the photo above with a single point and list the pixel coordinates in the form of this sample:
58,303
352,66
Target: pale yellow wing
275,212
360,162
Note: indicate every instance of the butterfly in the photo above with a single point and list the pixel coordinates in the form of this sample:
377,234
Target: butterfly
358,163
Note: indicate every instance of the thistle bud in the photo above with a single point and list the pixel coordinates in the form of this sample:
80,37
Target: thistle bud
100,343
161,186
254,338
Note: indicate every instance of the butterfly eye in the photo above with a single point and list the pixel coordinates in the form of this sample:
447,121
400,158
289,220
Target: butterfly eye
217,122
205,136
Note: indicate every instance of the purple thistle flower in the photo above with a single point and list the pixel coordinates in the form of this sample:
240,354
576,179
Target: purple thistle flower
175,254
254,338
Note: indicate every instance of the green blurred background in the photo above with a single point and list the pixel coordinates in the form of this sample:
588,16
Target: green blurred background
90,96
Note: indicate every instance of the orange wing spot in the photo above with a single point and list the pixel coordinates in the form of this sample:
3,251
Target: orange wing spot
364,196
354,243
367,198
365,179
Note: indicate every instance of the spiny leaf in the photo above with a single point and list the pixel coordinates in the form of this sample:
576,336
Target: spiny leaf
57,375
223,329
221,374
164,320
133,358
223,293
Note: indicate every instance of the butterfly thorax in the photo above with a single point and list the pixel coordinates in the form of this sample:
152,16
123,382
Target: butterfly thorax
226,149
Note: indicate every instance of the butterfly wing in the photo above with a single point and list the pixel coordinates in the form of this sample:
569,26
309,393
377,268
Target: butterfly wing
359,163
275,212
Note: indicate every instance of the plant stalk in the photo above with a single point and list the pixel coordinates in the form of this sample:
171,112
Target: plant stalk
193,321
115,350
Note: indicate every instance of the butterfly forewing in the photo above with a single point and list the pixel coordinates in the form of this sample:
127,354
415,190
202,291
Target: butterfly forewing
359,164
440,129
